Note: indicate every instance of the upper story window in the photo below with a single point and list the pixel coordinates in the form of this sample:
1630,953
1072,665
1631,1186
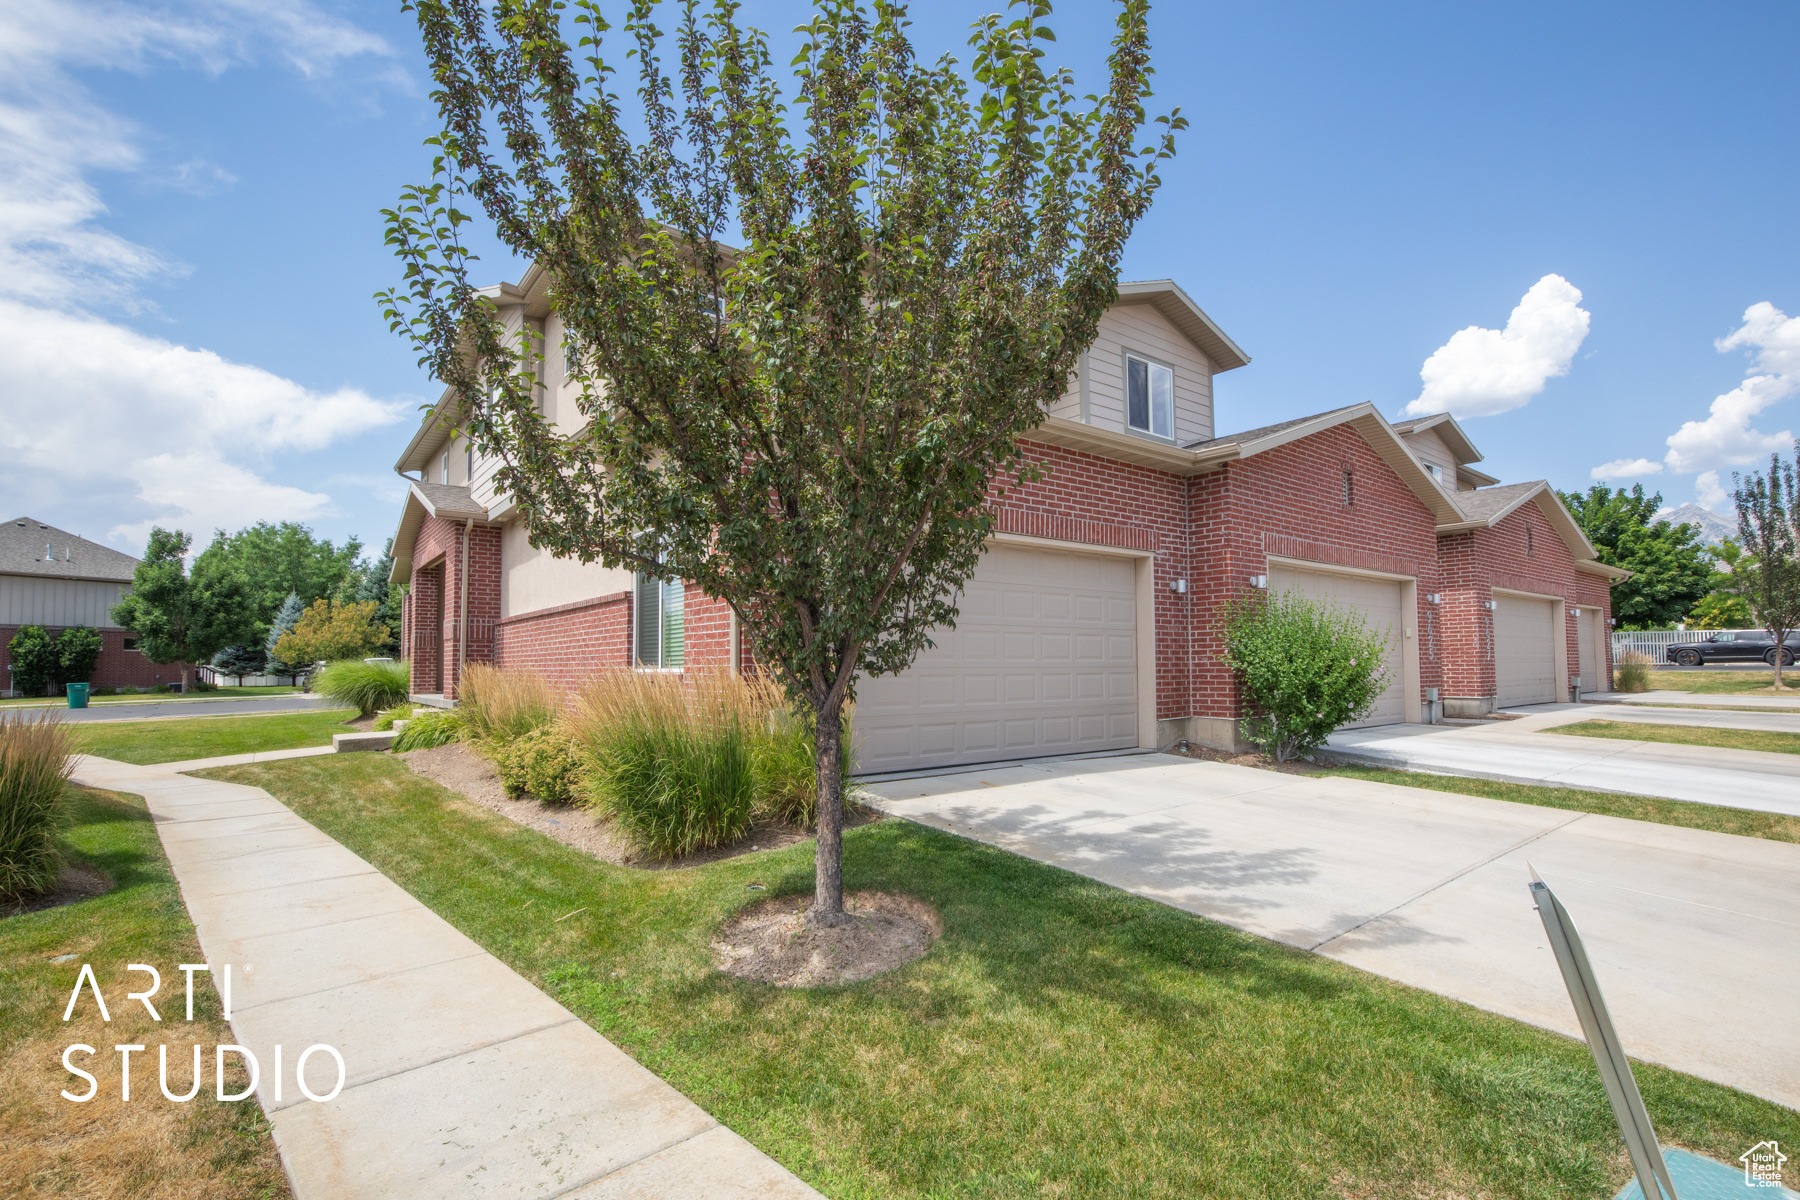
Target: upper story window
659,633
1149,397
469,465
1436,471
444,468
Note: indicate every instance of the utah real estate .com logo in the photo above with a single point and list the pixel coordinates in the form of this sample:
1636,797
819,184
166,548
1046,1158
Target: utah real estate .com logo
1762,1165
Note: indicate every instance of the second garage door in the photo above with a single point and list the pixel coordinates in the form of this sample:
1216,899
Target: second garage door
1524,650
1379,602
1043,660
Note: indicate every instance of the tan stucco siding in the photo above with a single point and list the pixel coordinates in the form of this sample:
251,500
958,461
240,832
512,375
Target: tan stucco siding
533,579
26,600
1141,329
1430,449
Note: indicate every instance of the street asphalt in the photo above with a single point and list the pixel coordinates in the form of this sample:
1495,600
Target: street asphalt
156,710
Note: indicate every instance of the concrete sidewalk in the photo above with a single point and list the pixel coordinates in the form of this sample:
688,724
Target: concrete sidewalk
1693,934
462,1079
1514,752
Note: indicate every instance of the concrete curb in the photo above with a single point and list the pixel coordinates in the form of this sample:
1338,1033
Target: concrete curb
460,1078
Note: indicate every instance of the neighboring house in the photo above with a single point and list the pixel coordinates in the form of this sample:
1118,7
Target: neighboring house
1091,622
57,580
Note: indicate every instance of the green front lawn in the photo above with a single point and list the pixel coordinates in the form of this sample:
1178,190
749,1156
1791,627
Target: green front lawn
1063,1039
1685,735
181,738
1777,827
1721,683
147,1146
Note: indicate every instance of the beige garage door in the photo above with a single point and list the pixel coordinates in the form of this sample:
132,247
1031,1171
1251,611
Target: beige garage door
1043,660
1524,650
1589,645
1379,601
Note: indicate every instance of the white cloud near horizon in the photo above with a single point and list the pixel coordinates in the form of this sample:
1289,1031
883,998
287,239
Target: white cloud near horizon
91,402
1727,437
1626,468
1481,372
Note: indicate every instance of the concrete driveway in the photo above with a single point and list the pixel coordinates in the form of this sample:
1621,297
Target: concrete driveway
1695,936
1518,752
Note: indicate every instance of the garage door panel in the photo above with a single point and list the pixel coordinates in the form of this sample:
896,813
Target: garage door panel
1380,602
1043,660
1524,650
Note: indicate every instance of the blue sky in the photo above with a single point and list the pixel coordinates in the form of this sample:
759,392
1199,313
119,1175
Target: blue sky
190,236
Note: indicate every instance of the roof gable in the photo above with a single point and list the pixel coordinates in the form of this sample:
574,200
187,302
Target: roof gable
1181,311
30,547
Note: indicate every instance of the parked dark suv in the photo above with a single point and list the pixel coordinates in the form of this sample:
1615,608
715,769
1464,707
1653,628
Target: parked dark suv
1735,647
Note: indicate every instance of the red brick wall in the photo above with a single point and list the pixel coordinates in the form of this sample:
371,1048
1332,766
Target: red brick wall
440,548
116,666
569,642
1289,502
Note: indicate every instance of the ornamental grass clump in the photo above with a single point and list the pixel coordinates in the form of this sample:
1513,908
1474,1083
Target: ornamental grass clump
502,705
34,769
1633,672
367,687
1304,666
431,728
671,761
787,770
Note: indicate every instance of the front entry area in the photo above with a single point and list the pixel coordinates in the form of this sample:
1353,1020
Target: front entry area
1380,602
1043,660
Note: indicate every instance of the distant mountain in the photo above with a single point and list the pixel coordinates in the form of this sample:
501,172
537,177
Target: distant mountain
1713,528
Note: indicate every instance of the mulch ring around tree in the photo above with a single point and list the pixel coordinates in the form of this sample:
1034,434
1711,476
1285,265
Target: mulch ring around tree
771,941
78,881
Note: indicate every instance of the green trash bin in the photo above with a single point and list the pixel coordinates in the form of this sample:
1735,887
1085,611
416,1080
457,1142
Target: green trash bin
78,695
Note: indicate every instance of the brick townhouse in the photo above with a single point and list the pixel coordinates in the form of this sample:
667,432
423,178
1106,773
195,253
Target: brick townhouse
52,578
1091,623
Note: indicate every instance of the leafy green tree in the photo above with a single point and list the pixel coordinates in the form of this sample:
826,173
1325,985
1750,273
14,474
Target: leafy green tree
278,559
183,617
1304,668
328,632
77,650
285,619
809,427
1767,509
1669,566
1720,610
32,653
372,586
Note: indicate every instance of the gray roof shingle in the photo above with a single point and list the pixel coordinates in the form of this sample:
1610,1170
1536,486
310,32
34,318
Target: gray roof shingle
30,547
1251,435
1483,503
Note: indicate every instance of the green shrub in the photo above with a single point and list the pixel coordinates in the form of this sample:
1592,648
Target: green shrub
159,689
787,773
388,716
541,763
32,653
432,727
34,767
366,686
502,705
671,763
1304,667
1633,673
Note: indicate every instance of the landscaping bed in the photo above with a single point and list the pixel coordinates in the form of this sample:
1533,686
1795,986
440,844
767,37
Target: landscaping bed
148,1148
1061,1038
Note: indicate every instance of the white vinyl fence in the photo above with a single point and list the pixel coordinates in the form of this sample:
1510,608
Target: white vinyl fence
220,679
1654,643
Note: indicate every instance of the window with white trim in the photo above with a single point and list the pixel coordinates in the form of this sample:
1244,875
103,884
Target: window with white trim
469,465
444,468
1149,397
659,633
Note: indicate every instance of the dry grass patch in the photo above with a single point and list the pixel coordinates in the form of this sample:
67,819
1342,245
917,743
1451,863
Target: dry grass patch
773,942
147,1148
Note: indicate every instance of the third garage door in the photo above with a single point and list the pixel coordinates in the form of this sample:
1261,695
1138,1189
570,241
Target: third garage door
1524,650
1379,601
1043,660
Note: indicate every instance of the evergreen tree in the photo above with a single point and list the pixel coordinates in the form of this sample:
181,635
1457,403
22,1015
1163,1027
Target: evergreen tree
285,619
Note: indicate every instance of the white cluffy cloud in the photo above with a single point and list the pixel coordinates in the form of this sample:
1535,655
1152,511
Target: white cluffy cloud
165,433
1480,372
1625,468
1728,437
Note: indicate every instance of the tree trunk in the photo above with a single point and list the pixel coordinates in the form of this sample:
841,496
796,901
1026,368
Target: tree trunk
828,880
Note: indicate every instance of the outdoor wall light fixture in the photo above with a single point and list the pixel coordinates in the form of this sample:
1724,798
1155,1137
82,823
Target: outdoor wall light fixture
1574,612
1491,605
1432,597
1178,586
1259,581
